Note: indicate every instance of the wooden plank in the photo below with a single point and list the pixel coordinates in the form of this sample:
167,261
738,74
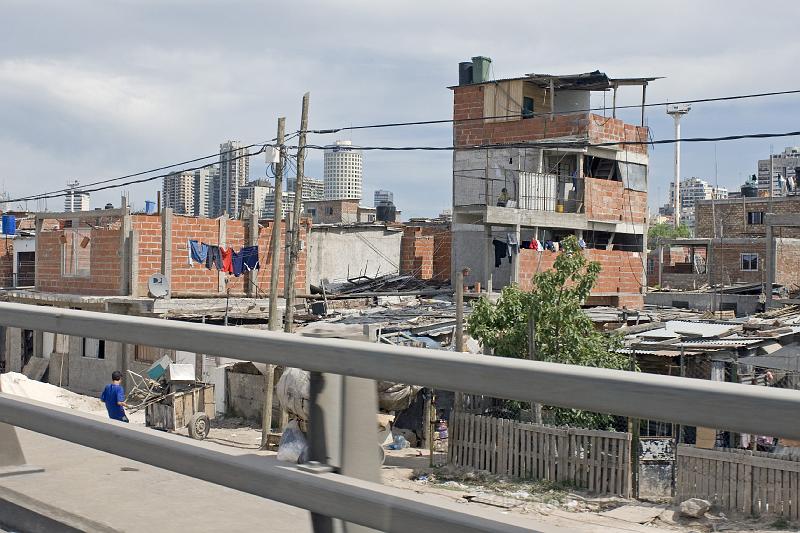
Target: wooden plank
794,491
602,484
771,489
746,476
784,493
591,464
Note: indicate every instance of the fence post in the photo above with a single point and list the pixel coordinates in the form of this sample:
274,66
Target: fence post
12,458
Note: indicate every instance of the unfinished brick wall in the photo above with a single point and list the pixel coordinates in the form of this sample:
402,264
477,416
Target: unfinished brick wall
731,217
332,211
425,251
416,253
104,276
620,275
468,103
609,200
7,263
185,278
787,263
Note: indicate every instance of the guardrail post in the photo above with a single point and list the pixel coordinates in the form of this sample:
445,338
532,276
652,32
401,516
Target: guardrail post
12,459
342,433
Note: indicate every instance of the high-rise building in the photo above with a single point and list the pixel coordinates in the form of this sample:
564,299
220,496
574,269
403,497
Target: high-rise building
234,171
785,172
178,192
343,171
694,189
262,194
75,200
313,189
383,197
204,181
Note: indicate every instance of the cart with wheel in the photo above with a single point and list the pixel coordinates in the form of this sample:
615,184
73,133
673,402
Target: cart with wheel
172,398
192,408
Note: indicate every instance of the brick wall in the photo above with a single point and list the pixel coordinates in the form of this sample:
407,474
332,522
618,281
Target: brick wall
343,211
7,263
787,263
731,217
468,103
602,198
425,251
619,279
196,278
104,276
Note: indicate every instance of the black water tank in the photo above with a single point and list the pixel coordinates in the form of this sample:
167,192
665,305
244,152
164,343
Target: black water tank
465,73
386,212
749,190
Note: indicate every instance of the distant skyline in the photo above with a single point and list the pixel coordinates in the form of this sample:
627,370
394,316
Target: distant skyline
92,90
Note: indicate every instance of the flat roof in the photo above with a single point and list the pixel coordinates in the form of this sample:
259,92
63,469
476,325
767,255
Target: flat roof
586,81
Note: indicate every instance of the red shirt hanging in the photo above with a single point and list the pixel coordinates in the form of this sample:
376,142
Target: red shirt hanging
227,262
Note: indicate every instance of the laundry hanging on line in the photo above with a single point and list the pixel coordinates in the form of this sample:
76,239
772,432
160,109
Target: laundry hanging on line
224,259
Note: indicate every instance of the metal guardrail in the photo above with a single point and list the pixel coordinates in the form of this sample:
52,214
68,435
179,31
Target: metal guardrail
694,402
728,406
338,496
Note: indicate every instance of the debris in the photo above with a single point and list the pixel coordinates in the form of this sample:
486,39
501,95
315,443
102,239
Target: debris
695,507
293,447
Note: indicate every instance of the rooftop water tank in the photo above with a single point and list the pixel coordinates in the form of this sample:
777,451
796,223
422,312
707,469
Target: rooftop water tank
9,225
480,69
465,73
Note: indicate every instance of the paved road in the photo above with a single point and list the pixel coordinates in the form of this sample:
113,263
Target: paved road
130,496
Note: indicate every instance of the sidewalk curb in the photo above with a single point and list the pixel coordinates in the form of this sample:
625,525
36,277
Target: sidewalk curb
24,514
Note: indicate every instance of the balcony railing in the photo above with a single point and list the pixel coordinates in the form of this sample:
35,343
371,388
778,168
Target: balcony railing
523,190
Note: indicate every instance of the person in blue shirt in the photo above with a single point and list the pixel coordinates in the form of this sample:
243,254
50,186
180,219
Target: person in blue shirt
114,398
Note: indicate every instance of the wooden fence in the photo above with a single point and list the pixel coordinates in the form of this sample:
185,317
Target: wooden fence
740,480
598,461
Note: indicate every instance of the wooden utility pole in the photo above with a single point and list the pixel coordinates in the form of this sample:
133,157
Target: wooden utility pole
275,243
294,253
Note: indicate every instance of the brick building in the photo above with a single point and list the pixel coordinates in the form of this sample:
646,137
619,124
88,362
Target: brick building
559,182
730,247
102,261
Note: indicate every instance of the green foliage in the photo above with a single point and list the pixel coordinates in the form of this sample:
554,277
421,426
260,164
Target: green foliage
659,232
563,332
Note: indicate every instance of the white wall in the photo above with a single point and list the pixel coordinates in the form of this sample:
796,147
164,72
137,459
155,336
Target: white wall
332,250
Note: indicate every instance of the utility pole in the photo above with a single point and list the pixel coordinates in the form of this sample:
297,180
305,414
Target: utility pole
677,111
537,407
275,245
294,253
275,242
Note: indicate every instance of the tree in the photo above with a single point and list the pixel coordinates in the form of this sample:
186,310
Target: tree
659,232
563,332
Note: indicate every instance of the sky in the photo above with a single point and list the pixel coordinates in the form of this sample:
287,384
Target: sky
97,89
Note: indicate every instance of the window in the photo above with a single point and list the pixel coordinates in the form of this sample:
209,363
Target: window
76,253
329,210
755,217
749,262
94,348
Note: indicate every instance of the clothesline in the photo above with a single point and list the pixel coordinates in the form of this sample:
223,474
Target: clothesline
509,247
224,259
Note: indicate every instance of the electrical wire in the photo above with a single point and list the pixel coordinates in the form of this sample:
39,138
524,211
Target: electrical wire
140,173
134,182
518,115
553,145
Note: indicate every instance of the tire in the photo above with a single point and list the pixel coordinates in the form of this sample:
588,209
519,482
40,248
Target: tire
199,426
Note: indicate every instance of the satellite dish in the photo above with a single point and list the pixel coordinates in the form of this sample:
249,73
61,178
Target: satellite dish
158,285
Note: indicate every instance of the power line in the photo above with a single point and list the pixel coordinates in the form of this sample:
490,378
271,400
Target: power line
519,115
137,174
564,144
61,193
